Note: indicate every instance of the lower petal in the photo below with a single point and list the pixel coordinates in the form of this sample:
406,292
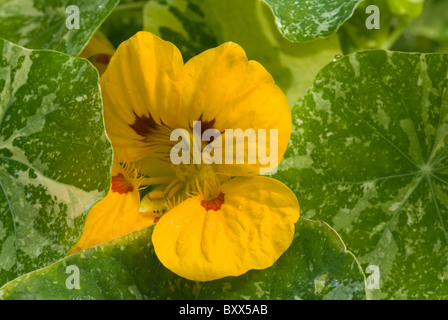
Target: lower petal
114,216
250,228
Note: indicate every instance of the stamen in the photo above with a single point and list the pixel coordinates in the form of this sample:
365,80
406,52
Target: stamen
173,202
175,189
187,189
198,187
156,194
170,185
157,180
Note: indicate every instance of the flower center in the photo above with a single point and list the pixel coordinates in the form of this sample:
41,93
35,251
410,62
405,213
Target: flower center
186,181
189,180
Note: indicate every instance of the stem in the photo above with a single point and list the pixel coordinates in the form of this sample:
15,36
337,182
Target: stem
395,35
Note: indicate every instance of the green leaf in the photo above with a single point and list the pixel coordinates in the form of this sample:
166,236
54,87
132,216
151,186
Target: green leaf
197,25
316,266
55,157
393,18
38,24
368,155
427,33
411,8
305,20
355,35
433,23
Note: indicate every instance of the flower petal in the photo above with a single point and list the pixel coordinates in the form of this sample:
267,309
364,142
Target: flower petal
116,215
142,90
226,91
99,51
250,230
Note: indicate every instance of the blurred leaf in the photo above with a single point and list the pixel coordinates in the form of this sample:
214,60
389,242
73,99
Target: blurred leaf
429,32
125,21
355,35
412,43
411,8
41,24
305,20
394,17
55,157
433,23
368,155
197,25
316,266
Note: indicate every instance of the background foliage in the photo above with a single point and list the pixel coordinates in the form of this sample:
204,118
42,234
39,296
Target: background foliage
367,158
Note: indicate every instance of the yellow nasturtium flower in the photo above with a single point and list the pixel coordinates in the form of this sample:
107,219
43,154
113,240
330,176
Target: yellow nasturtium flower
213,220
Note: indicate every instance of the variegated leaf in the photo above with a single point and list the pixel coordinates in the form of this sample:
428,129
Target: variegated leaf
316,266
368,155
55,158
52,24
197,25
306,20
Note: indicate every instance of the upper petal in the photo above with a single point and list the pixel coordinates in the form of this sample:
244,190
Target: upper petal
251,229
225,90
142,89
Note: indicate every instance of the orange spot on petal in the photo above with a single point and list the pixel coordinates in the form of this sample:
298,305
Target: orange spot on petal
121,185
214,204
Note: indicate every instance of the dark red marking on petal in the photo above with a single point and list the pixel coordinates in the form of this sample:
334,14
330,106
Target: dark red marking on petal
156,219
102,58
205,125
214,204
144,125
121,185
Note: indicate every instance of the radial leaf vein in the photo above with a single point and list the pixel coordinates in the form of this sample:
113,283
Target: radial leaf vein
431,187
13,223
